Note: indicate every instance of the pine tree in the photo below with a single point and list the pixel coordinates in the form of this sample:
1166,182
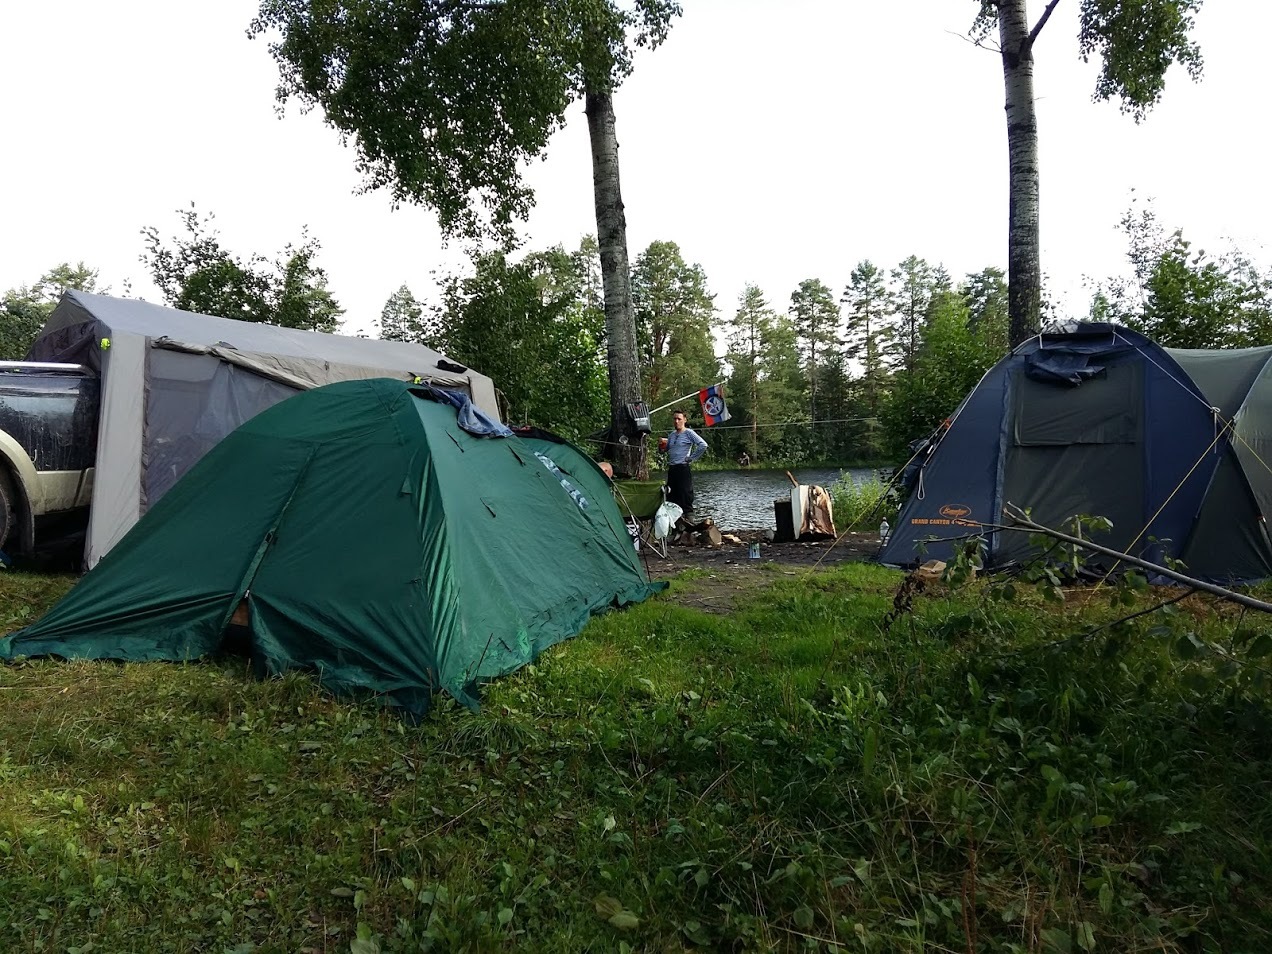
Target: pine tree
816,317
870,331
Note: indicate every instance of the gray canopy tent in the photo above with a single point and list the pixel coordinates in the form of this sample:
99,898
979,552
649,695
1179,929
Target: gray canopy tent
174,383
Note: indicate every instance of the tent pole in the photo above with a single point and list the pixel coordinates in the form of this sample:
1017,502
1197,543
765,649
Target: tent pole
676,401
1021,522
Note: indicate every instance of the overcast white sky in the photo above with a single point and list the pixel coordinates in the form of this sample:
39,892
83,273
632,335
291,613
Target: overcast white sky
775,141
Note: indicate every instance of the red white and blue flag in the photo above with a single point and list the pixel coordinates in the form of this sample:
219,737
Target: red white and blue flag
714,410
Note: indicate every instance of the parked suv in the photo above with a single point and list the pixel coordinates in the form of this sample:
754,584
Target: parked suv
48,441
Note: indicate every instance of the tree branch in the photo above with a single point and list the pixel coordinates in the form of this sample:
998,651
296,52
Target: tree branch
1021,522
979,44
1042,22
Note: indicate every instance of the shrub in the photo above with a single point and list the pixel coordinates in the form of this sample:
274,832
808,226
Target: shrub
861,504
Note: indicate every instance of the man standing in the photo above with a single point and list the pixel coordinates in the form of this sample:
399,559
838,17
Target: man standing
684,447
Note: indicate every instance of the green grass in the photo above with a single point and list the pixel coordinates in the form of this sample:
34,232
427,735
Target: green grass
789,777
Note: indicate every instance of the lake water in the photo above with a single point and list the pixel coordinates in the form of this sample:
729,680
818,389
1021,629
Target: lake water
743,499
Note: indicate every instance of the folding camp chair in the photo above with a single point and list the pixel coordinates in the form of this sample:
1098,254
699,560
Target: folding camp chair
639,500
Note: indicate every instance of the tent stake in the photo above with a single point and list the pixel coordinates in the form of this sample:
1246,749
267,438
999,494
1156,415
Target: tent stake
1021,522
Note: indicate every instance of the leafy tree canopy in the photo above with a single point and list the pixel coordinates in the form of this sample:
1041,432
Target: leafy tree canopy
1136,42
195,273
1186,297
530,327
445,100
24,310
402,318
674,310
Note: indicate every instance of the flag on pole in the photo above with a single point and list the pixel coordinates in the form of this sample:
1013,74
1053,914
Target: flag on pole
714,410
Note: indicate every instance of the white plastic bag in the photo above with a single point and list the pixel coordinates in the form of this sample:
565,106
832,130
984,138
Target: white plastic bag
665,519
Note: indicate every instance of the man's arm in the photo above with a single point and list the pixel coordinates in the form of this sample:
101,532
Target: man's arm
699,445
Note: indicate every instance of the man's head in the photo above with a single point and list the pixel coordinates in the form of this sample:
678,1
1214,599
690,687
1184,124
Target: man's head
678,420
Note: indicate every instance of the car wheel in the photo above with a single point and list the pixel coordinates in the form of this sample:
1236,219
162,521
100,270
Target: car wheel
8,501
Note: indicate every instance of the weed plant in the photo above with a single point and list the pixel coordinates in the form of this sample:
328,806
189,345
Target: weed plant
863,504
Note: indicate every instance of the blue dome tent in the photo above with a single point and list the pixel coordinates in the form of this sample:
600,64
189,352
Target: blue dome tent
1173,446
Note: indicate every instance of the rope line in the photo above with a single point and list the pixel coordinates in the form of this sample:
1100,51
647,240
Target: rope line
1215,412
886,487
1149,358
1165,503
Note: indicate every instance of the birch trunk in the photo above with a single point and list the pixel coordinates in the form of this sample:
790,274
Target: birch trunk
620,320
1024,269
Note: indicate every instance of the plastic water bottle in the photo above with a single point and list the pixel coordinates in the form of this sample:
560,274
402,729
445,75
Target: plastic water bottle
884,530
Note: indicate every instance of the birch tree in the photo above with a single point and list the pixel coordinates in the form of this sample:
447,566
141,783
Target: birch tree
1136,41
446,101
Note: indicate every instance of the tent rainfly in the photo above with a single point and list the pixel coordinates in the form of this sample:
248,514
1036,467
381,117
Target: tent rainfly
1173,446
174,383
363,531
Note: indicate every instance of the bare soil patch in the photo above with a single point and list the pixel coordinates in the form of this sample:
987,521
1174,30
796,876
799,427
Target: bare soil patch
728,572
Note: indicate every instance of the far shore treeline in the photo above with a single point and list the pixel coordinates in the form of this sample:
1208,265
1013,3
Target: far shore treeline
829,372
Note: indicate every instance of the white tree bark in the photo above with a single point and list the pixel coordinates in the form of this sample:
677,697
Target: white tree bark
620,316
1024,268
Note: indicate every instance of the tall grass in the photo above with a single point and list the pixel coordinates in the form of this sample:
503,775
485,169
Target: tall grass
862,504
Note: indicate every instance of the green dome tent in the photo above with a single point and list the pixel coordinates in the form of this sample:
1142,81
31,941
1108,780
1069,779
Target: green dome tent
361,532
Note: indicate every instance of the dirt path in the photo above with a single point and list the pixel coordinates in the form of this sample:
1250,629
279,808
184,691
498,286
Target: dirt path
728,573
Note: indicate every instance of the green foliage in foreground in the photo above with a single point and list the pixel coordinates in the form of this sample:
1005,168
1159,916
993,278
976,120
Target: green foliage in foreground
790,777
863,504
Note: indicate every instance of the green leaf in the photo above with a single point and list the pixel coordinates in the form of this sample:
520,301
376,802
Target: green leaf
1106,898
1260,647
872,746
804,917
1199,682
1057,940
624,921
1052,774
342,892
607,906
1101,821
974,687
861,868
505,915
1086,936
360,946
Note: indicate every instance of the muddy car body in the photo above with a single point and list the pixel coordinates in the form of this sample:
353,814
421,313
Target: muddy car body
48,441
